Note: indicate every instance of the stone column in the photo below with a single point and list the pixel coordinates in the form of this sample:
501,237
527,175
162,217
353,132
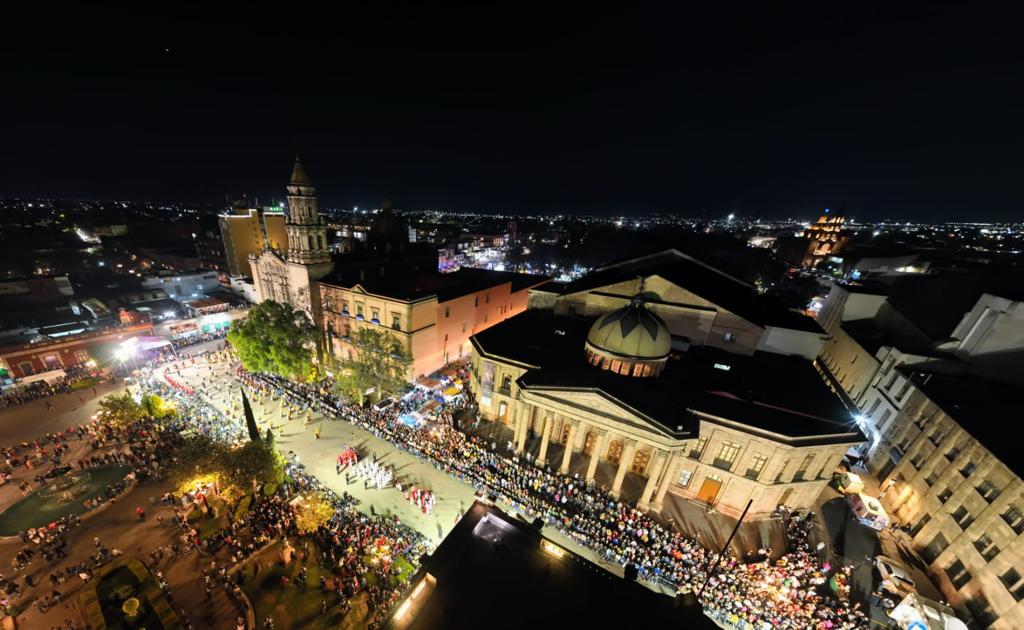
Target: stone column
525,416
595,454
567,455
652,480
674,464
624,460
545,434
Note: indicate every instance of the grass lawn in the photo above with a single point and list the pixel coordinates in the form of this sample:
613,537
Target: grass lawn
294,606
406,571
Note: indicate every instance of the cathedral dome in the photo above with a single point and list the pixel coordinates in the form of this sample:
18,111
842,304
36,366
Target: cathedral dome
631,340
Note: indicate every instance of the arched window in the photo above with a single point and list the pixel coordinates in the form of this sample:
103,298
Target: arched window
309,239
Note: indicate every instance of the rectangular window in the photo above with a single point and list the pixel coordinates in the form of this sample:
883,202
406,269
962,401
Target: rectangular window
804,465
986,547
375,315
730,337
727,455
931,552
684,477
396,322
359,309
698,448
968,469
487,298
476,301
447,311
916,462
963,517
1014,518
757,464
945,495
988,491
931,479
782,469
463,326
952,454
958,574
885,418
874,407
1010,578
903,391
916,529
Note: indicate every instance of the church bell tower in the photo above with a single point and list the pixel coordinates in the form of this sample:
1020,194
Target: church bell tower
307,235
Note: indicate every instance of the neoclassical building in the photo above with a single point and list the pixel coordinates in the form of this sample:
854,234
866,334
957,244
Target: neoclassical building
291,277
689,419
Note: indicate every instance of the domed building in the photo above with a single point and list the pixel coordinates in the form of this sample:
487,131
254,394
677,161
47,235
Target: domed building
631,341
666,380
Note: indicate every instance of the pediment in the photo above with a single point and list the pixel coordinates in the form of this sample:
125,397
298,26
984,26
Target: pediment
587,403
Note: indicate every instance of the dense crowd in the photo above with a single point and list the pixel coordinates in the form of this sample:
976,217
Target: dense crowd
784,593
21,394
360,550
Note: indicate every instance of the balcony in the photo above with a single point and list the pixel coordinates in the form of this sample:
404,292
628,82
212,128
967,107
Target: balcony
694,454
752,474
724,464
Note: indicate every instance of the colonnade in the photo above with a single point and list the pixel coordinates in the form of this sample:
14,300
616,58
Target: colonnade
661,472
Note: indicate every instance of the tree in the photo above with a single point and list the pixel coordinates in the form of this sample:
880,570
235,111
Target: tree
275,338
311,512
121,409
250,419
380,361
156,407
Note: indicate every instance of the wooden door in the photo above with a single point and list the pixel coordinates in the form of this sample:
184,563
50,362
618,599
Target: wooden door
589,443
565,433
615,451
709,490
640,461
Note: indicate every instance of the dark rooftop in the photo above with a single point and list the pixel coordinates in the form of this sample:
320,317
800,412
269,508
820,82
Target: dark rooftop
775,393
491,572
984,408
716,286
446,286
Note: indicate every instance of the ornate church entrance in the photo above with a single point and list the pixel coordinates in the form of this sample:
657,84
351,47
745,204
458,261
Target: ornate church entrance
640,461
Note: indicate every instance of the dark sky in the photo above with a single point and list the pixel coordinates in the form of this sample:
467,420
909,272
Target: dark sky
897,111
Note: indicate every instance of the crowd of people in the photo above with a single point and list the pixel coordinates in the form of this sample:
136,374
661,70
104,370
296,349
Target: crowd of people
20,394
781,593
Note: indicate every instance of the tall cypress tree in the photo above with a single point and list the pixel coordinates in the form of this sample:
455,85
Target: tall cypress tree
250,420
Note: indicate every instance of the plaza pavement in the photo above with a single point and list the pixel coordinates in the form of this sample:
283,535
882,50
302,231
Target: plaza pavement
453,495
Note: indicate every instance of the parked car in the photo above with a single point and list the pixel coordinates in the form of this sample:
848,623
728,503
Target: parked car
895,578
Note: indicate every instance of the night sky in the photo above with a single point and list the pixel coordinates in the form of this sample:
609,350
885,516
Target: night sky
895,111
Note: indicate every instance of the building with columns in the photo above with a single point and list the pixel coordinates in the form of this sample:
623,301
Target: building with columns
291,277
703,424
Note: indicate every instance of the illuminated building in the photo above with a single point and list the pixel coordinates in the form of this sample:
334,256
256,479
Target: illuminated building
290,277
631,371
431,314
819,241
247,232
932,364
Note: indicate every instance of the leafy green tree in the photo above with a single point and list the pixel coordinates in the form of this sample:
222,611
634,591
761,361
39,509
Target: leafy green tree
380,361
156,407
121,409
250,419
275,338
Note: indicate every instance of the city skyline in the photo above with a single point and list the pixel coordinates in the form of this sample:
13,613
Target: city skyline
896,114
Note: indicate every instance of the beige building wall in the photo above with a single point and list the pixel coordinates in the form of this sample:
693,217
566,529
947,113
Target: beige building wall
434,332
850,364
965,509
727,466
276,235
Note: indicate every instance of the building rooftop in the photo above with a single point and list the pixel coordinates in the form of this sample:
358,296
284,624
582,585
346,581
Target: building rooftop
716,286
981,406
492,571
448,286
769,392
